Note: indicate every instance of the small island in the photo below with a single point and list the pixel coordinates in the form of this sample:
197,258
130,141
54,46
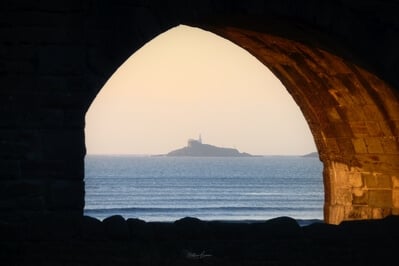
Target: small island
312,154
198,149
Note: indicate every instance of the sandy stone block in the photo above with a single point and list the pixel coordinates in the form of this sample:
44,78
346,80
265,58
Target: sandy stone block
359,128
395,198
346,146
374,129
395,125
355,180
390,145
377,181
380,198
342,130
355,113
341,179
359,145
336,214
332,145
343,196
333,115
357,212
372,112
393,105
359,196
379,213
386,128
374,145
395,182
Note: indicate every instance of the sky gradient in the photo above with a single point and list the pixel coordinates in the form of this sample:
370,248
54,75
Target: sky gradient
187,82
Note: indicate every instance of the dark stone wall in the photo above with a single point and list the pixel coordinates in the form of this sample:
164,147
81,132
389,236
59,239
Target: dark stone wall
189,241
56,55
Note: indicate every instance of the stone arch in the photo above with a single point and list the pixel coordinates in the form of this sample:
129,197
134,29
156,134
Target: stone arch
351,113
56,56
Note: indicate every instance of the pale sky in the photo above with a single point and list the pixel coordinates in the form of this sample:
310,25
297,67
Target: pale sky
187,82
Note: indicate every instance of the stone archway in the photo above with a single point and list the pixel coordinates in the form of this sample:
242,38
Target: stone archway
351,113
56,56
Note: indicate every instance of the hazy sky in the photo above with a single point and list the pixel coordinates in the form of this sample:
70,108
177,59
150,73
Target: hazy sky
187,82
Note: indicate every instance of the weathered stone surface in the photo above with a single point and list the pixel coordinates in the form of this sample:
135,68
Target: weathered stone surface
116,228
56,55
92,229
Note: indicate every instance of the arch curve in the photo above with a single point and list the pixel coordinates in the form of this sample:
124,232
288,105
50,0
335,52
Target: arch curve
56,57
351,113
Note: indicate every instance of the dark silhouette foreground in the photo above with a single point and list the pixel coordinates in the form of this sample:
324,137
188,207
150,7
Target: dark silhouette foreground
190,241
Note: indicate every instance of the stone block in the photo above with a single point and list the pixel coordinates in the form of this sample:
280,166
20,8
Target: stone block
359,196
341,130
50,83
18,52
41,169
355,179
372,112
63,5
20,5
374,145
395,198
374,129
359,128
343,196
333,115
61,60
395,182
20,67
359,145
335,214
10,169
74,118
357,212
22,188
346,147
332,145
35,203
66,195
340,175
379,213
56,143
390,145
355,112
380,198
378,181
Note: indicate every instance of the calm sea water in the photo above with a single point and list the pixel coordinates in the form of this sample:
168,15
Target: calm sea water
209,188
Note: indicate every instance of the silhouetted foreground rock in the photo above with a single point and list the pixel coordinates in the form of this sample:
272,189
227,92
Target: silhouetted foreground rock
190,241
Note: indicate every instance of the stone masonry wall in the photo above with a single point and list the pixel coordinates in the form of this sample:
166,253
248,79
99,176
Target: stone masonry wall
56,55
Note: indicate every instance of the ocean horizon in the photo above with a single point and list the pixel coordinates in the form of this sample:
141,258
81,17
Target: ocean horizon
166,189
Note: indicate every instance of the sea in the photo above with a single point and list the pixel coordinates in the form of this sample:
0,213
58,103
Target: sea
166,189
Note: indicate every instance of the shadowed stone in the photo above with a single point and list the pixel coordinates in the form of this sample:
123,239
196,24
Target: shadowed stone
92,229
338,60
116,227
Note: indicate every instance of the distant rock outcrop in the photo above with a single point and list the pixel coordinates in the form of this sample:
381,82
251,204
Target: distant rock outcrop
312,154
198,149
